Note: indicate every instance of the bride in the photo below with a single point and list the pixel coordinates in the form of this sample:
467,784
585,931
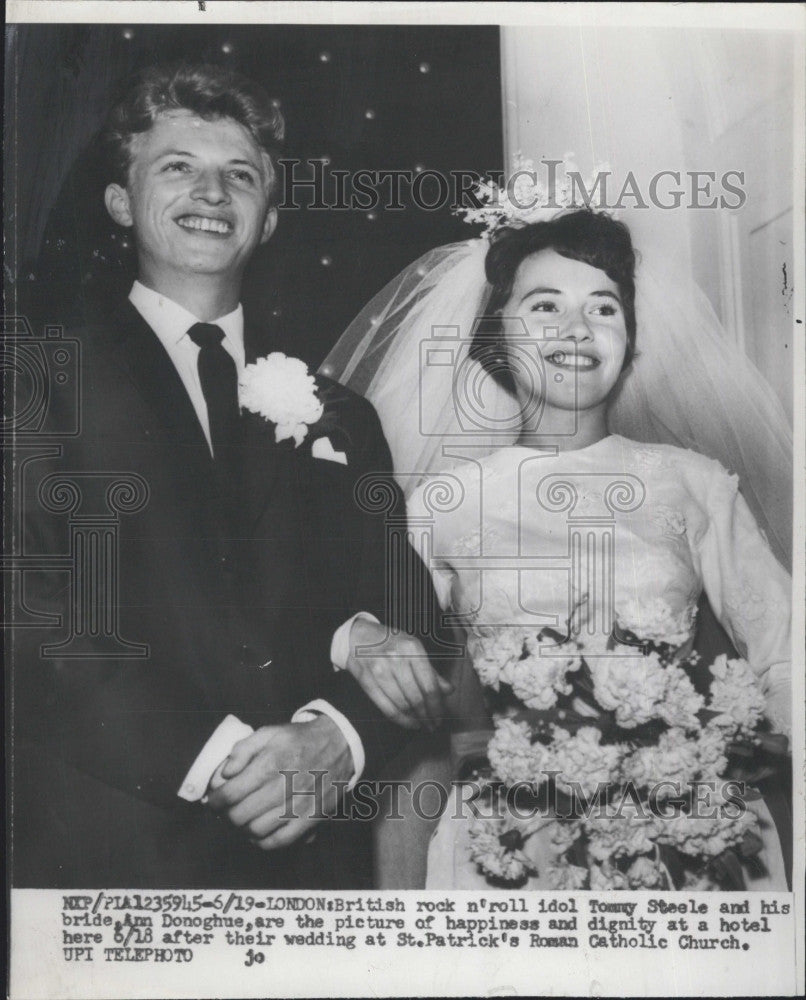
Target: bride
557,426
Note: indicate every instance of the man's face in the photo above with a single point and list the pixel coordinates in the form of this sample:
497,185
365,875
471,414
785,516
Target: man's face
197,196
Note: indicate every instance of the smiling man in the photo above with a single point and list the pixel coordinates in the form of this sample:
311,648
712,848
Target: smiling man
243,576
197,193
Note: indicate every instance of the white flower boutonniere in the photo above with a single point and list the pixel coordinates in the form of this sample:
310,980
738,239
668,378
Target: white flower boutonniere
280,389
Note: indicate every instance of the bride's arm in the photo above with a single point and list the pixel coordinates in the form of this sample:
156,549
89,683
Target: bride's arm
750,593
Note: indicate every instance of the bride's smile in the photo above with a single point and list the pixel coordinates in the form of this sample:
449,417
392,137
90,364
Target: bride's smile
573,361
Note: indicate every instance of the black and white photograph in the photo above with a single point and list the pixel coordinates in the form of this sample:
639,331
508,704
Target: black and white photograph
403,565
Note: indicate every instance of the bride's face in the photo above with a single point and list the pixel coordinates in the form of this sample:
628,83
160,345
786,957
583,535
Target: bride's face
574,313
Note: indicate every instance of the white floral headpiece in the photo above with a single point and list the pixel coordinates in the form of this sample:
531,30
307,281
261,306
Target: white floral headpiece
525,199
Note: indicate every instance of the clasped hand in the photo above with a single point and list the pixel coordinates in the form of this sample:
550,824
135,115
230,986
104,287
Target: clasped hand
396,674
275,809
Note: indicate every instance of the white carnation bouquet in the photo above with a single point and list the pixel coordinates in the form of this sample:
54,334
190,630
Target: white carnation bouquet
643,773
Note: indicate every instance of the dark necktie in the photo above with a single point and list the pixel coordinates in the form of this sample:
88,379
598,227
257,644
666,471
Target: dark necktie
219,382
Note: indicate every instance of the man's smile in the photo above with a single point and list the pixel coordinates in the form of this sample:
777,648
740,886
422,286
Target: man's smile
204,224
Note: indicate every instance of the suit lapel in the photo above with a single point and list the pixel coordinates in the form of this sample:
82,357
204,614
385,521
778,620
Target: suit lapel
270,471
256,340
139,351
266,464
134,347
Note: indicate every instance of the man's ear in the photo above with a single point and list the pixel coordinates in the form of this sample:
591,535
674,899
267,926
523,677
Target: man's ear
269,225
116,199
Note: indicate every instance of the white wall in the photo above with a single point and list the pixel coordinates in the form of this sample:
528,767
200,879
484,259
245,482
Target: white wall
646,100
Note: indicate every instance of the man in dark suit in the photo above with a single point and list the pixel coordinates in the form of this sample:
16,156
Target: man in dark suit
243,577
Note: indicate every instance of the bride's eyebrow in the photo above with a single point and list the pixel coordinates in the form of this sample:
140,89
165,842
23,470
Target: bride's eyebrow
604,293
541,291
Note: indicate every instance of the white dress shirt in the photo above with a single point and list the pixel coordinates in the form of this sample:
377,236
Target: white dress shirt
170,322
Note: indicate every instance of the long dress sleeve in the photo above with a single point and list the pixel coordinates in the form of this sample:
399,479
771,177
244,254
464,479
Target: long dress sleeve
429,540
750,593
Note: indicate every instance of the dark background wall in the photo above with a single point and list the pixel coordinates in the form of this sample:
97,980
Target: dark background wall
362,97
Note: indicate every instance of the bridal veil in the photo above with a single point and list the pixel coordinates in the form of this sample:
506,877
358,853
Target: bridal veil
689,385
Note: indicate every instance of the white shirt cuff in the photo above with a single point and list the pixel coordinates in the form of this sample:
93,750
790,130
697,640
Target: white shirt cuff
214,752
340,644
321,707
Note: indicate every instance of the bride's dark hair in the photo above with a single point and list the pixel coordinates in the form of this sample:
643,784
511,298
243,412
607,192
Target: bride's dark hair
591,237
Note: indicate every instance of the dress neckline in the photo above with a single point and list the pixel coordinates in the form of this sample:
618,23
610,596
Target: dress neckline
588,448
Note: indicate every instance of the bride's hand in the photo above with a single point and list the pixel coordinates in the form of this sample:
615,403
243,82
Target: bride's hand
397,676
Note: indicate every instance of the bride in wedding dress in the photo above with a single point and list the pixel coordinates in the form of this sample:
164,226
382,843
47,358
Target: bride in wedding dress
589,456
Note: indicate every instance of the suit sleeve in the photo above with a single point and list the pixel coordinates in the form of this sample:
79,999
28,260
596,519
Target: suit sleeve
391,582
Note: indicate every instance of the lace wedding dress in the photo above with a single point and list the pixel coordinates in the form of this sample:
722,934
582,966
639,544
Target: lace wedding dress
614,532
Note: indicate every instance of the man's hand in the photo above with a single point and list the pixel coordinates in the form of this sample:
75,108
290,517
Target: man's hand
277,809
397,675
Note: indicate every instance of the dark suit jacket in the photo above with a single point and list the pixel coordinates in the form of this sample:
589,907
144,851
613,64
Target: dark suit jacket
235,616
